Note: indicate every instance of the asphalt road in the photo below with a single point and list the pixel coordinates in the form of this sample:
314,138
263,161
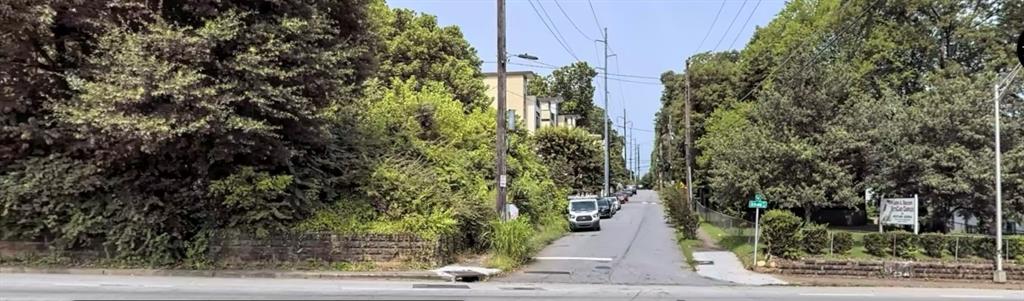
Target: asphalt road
99,287
636,246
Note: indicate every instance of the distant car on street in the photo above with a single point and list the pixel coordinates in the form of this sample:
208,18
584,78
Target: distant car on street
622,196
584,213
616,205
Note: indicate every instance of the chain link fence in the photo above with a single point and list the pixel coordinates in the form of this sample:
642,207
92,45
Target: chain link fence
737,229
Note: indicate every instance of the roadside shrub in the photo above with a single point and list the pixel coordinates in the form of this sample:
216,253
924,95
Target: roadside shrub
876,244
781,232
903,243
1015,248
510,239
934,244
959,246
842,242
984,246
680,211
815,238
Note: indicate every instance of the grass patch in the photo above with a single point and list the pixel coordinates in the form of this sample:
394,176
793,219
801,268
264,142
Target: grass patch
542,236
687,246
738,244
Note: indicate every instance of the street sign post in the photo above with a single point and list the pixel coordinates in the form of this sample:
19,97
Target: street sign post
757,203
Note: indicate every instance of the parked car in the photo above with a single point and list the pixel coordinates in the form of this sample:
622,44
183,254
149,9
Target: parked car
622,196
584,214
616,205
631,189
605,207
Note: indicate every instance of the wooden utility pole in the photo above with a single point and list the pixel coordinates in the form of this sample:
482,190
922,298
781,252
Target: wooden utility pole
499,170
686,116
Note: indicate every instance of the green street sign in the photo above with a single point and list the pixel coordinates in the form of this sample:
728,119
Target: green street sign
758,202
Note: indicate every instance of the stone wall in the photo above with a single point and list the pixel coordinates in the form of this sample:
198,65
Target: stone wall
233,249
895,269
330,248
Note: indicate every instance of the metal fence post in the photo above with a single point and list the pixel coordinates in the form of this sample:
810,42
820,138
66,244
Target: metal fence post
831,243
956,249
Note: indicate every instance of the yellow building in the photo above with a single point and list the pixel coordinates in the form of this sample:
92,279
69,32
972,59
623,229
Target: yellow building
534,112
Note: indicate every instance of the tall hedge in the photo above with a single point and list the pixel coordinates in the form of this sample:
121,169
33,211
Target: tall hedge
816,238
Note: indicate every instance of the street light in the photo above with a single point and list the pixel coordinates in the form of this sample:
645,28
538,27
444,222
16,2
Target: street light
526,56
999,275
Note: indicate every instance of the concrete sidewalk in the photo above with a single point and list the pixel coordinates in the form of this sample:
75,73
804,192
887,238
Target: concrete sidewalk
726,267
383,275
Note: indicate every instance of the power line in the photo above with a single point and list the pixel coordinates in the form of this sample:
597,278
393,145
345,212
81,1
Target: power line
552,67
593,12
553,34
570,21
740,31
727,29
710,27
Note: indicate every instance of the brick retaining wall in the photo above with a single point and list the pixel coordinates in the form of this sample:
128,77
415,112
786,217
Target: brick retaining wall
238,249
895,269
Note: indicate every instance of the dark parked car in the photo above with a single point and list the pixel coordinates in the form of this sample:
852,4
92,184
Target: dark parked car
604,206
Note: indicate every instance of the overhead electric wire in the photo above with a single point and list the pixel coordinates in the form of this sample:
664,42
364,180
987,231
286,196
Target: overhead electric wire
740,31
727,29
593,12
556,36
710,28
571,21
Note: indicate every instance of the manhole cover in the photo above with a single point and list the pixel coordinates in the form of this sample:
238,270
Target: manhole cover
602,267
548,272
704,262
441,286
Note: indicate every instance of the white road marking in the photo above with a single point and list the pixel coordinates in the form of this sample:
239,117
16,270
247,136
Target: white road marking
836,295
575,258
970,297
76,284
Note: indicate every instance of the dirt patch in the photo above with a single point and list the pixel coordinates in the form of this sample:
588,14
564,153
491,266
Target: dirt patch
707,242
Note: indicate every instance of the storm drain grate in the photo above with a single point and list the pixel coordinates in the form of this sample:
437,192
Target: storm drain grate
602,267
548,272
441,286
704,262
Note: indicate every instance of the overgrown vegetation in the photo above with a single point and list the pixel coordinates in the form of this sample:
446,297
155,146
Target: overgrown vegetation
680,211
139,128
781,232
836,96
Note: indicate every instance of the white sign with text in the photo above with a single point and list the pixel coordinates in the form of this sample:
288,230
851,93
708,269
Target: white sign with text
902,211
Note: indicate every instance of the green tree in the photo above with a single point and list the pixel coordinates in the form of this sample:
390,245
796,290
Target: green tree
413,45
573,156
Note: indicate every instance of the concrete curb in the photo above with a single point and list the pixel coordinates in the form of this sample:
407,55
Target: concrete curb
411,275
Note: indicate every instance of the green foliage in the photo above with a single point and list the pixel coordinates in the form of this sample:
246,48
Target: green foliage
781,232
573,156
413,46
574,83
877,244
984,246
842,242
934,244
1015,247
254,200
815,238
508,239
962,246
680,211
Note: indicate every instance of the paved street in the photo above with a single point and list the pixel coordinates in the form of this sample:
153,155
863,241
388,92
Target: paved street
69,287
634,247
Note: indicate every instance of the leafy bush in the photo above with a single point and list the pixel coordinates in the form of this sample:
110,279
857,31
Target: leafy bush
680,211
984,246
934,244
877,244
961,246
842,242
781,232
903,242
1015,247
815,238
509,239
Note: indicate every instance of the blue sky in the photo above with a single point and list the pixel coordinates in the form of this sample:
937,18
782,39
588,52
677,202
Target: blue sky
648,37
